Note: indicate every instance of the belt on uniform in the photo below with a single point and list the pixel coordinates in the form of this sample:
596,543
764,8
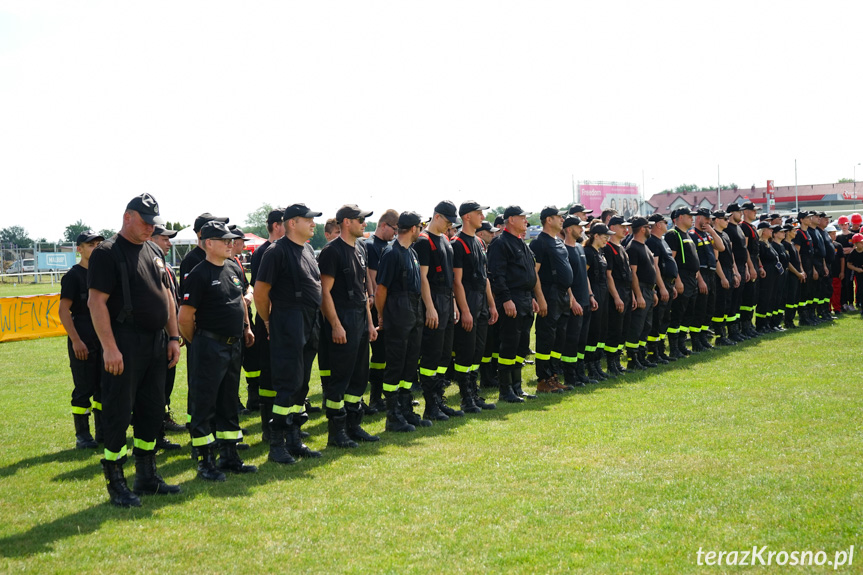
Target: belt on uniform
220,338
649,287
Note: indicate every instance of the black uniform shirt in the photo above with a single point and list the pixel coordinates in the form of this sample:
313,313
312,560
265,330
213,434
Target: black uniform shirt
255,262
687,257
641,256
783,255
829,248
793,257
659,247
216,293
189,262
704,247
738,245
347,265
804,241
399,270
838,257
726,258
374,249
578,264
147,281
292,272
550,254
510,266
597,266
769,259
752,245
818,243
468,255
73,286
435,252
618,265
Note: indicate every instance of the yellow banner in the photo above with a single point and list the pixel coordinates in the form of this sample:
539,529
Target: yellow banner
30,317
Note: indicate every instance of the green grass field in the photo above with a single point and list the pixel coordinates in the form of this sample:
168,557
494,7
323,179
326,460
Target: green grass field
726,450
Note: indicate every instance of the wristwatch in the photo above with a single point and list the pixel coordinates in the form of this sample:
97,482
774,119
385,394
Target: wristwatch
174,338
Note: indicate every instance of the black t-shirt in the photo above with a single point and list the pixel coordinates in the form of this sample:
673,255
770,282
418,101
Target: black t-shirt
686,255
374,250
578,264
752,244
838,257
399,270
844,240
726,257
73,286
216,293
597,266
189,262
147,280
347,265
738,245
659,247
468,255
255,262
803,239
435,252
553,260
641,256
293,273
618,265
704,247
855,258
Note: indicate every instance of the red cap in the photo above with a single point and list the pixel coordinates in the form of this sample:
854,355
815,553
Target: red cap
856,219
856,238
842,220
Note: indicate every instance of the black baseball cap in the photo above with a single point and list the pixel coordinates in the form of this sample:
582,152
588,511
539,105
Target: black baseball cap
719,214
409,220
511,211
777,228
299,211
351,212
217,230
470,206
599,229
803,215
89,236
275,216
656,217
147,206
498,222
578,208
163,231
638,222
680,212
235,230
749,206
549,211
733,208
762,226
703,212
487,227
572,221
208,217
618,221
447,209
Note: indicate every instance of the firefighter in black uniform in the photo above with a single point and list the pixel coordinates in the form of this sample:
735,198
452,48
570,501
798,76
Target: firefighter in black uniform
727,279
257,364
756,270
825,288
131,307
346,329
741,260
512,272
397,299
214,322
707,243
668,285
769,259
555,276
578,323
645,270
85,353
686,256
806,251
621,300
198,254
488,365
475,301
288,299
795,278
779,232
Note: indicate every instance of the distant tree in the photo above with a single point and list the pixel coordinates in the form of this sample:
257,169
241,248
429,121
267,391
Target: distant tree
319,240
175,226
73,230
17,236
846,181
256,222
107,233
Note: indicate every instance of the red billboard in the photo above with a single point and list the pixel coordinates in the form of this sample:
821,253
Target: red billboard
623,197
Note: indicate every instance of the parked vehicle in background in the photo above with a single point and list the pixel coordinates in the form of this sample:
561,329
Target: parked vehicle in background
533,232
25,266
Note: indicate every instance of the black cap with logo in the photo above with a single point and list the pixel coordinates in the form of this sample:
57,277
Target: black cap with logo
207,217
147,206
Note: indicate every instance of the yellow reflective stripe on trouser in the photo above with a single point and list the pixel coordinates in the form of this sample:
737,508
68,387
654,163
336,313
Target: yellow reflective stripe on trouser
747,308
519,359
188,418
335,404
589,348
252,373
609,349
717,319
377,365
654,338
297,408
281,410
495,355
238,434
80,410
266,392
324,372
390,387
353,398
581,356
542,356
205,440
98,405
568,359
505,361
145,445
405,384
486,359
760,314
442,369
428,372
555,354
632,345
461,368
474,367
673,330
111,456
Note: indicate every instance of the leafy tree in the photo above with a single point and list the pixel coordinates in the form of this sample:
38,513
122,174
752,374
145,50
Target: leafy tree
175,226
846,181
256,222
17,236
106,233
73,230
319,240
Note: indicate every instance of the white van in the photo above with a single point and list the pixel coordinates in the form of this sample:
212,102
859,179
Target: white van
26,266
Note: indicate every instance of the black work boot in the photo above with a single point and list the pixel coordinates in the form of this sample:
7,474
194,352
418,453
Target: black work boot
697,347
653,354
353,426
488,375
294,439
581,372
506,393
376,401
609,361
407,410
97,424
660,351
207,469
266,416
229,459
644,359
516,384
395,419
253,399
147,479
468,404
83,439
681,344
473,388
118,490
442,383
163,442
673,341
632,361
705,340
277,436
338,434
432,411
617,364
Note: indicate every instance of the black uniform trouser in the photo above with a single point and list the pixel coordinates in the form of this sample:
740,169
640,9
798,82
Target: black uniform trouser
261,360
807,288
378,359
766,298
294,333
792,296
858,289
551,330
214,381
722,305
577,327
641,320
436,346
344,367
683,307
750,297
514,333
488,363
848,287
661,313
705,303
598,325
826,283
618,322
403,331
86,377
136,396
469,346
737,295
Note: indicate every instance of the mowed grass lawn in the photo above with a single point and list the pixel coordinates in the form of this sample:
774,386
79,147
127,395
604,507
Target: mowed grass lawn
726,450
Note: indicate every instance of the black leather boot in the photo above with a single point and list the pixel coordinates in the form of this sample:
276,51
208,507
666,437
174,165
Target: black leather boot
83,439
207,469
641,354
376,401
581,367
516,384
442,383
632,361
147,479
277,436
353,426
612,367
675,353
617,364
468,404
229,459
266,416
506,393
697,347
407,410
337,432
660,352
395,419
294,439
473,388
118,490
